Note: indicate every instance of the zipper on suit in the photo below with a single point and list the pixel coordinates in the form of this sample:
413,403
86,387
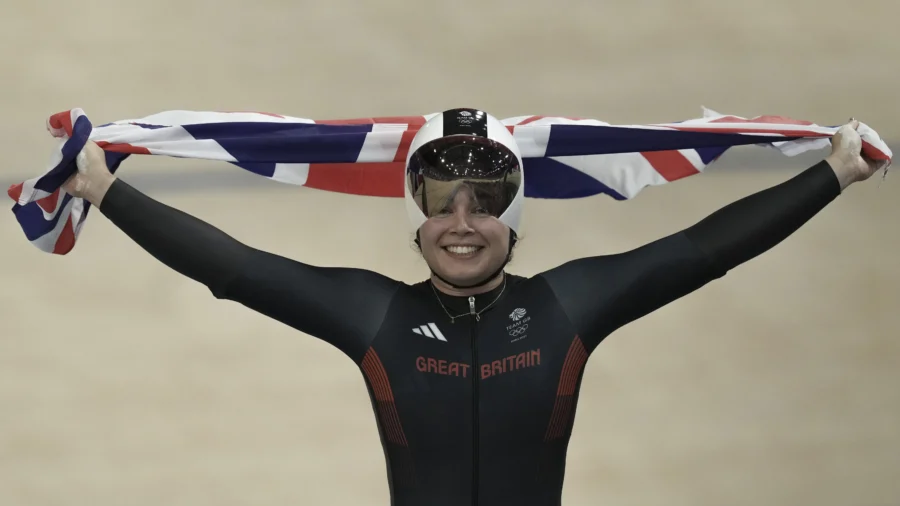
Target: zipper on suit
475,417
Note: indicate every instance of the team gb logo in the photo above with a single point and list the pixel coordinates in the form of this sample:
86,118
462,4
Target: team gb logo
517,314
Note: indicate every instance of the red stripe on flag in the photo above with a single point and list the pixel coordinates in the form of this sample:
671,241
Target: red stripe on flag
532,119
874,153
763,119
413,124
371,179
66,240
671,165
403,148
255,112
123,148
746,130
62,120
49,203
412,121
15,191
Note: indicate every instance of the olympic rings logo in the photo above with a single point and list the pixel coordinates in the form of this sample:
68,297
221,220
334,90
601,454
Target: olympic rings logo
518,331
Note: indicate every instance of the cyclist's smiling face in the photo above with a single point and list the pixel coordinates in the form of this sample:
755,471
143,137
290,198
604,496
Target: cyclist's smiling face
462,241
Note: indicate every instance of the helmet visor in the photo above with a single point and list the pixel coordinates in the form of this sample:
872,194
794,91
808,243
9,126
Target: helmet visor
485,172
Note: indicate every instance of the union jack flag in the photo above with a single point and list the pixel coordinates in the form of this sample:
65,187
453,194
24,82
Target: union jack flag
563,157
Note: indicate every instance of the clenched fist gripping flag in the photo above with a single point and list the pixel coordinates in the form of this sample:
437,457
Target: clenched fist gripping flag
564,158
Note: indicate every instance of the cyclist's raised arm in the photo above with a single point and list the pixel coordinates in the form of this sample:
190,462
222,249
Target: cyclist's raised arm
342,306
603,293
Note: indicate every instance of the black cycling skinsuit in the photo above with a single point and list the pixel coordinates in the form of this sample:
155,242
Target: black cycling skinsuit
478,410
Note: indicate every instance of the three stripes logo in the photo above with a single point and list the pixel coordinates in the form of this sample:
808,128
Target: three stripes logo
430,330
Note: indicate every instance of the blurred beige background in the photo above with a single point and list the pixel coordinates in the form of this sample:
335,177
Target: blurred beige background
122,383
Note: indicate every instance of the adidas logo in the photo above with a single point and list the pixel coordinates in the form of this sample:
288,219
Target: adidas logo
431,331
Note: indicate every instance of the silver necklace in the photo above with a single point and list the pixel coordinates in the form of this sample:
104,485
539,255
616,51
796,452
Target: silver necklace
471,303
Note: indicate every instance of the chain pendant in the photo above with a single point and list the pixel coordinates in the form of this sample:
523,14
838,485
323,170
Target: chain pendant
472,312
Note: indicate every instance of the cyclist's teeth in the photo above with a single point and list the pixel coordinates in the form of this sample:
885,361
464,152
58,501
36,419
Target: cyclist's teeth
462,250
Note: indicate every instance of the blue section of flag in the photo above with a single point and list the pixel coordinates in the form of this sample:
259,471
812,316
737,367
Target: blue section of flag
574,140
286,142
549,179
34,224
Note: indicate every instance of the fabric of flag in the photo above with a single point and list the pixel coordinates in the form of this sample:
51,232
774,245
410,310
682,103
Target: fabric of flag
563,157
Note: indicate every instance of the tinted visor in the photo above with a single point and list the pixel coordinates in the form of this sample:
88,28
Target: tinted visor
487,170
